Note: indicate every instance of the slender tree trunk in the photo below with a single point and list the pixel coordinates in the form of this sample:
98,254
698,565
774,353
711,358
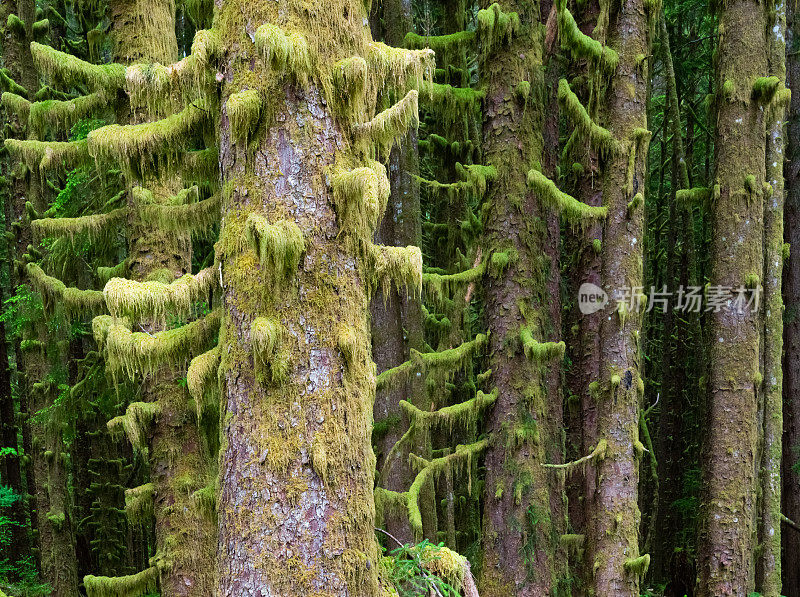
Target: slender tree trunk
726,542
614,548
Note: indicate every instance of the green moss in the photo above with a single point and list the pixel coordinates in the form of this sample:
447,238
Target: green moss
135,423
279,246
440,44
600,138
135,585
41,28
450,103
581,46
401,266
638,565
495,27
147,300
202,377
197,218
139,503
694,196
765,88
45,156
8,84
390,125
285,51
18,105
75,302
266,334
574,211
635,203
597,245
464,414
55,115
540,351
68,71
438,287
244,110
599,453
360,197
94,227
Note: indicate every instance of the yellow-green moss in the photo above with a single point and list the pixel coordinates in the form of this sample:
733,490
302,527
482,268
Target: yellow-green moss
135,585
68,71
574,211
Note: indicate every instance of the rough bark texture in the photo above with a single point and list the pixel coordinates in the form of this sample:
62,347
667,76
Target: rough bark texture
726,547
295,506
791,298
613,544
520,532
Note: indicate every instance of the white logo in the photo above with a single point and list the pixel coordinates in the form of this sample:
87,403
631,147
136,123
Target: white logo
591,298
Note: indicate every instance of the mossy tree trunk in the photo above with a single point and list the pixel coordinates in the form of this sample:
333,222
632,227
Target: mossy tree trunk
726,545
518,546
791,298
613,542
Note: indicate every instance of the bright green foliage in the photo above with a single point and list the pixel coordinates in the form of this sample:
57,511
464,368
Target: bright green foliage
68,71
574,211
136,422
17,104
540,351
75,301
135,585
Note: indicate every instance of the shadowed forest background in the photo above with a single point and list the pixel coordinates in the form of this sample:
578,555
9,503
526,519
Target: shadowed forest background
294,298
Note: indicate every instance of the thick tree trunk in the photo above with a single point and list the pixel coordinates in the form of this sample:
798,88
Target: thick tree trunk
726,542
519,556
613,545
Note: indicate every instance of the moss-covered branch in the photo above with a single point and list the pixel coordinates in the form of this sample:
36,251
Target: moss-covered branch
94,226
391,125
286,51
74,300
139,147
582,46
399,265
143,583
140,300
68,71
450,103
574,211
598,453
692,197
17,105
462,414
539,351
141,352
450,360
440,286
56,115
495,27
139,503
431,469
600,138
135,423
196,218
202,377
47,155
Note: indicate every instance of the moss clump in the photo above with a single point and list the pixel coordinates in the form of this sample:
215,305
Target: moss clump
286,52
581,46
438,287
145,300
638,565
495,27
244,110
141,352
201,378
765,88
540,351
574,211
68,71
196,218
694,196
450,103
140,147
143,583
399,265
635,203
94,227
266,334
279,246
56,115
360,197
600,138
391,125
74,300
8,84
17,104
15,25
135,423
139,503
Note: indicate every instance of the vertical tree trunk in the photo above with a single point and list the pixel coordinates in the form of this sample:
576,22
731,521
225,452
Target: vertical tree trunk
614,548
726,543
519,554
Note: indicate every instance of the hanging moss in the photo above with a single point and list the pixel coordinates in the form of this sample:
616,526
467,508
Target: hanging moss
135,423
450,103
135,585
279,246
140,352
8,84
765,88
55,115
204,501
600,138
574,211
140,147
198,218
691,197
94,226
449,360
68,71
45,156
635,203
391,125
396,68
429,470
139,504
599,453
464,414
540,351
441,44
638,565
76,302
495,27
154,300
399,265
16,104
41,28
440,286
360,197
266,334
287,52
202,377
16,26
581,46
244,110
